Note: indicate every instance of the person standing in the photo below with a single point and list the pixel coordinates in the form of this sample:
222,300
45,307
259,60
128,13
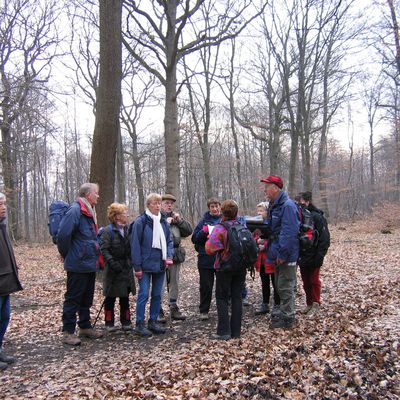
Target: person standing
180,228
78,246
151,252
9,281
312,258
263,267
205,262
118,280
283,247
230,281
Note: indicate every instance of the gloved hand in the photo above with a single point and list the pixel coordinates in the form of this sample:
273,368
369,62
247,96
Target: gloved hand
205,229
115,267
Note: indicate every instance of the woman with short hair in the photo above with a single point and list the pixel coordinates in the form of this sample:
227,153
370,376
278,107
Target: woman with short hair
151,252
118,280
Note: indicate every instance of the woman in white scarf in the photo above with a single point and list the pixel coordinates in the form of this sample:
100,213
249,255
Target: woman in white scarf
151,249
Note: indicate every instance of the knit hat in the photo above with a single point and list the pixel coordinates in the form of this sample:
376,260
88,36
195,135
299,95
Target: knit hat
168,197
275,179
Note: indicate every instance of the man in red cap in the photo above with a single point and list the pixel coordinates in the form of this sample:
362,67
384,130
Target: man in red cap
283,247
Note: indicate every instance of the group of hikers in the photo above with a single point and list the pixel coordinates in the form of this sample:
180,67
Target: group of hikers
149,251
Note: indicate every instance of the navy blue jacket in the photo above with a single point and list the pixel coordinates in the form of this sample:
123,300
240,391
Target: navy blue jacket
285,223
199,239
144,257
77,239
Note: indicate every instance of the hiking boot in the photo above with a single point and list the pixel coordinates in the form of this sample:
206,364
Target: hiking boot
276,311
111,328
155,327
5,358
306,310
71,339
176,314
90,333
263,309
141,330
314,310
127,327
3,366
203,316
285,323
215,336
161,317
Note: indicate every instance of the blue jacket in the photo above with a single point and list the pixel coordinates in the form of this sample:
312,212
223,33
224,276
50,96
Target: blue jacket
77,239
144,257
199,239
285,223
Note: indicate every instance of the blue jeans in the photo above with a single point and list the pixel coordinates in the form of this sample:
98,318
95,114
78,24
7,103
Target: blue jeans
78,299
5,311
157,280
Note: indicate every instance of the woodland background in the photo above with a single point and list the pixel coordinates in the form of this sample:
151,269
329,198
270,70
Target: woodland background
198,98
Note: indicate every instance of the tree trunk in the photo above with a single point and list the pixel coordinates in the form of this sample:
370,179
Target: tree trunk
120,183
105,137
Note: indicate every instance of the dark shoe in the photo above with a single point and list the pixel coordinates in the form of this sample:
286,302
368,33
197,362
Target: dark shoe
215,336
282,323
90,333
141,330
276,312
155,327
71,339
246,302
3,366
127,327
176,314
161,317
5,358
264,309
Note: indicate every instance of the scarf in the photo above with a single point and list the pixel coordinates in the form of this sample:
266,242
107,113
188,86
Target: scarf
90,209
159,241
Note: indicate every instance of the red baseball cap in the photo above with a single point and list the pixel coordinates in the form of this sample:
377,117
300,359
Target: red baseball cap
275,179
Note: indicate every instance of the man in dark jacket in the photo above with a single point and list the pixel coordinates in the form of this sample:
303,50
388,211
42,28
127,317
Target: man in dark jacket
180,228
9,282
78,246
311,259
283,247
205,262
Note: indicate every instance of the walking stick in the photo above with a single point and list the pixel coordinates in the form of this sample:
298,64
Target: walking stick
168,276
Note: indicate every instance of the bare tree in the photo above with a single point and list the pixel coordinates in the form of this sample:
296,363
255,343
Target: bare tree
107,125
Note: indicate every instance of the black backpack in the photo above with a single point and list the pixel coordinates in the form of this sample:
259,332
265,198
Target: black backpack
308,235
242,248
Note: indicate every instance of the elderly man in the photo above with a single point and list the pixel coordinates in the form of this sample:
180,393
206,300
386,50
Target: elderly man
180,228
77,244
9,282
283,247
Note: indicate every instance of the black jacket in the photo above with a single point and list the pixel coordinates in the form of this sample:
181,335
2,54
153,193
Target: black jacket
314,256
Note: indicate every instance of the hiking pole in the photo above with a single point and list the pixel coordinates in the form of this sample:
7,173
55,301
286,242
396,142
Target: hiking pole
168,277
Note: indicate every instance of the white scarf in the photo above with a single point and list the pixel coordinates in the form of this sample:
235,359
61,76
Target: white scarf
159,241
90,208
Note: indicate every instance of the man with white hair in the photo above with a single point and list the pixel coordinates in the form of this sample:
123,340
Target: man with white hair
9,282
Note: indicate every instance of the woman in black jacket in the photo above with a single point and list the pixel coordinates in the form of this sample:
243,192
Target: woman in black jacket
118,279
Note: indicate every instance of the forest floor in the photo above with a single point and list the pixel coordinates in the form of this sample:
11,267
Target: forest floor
350,351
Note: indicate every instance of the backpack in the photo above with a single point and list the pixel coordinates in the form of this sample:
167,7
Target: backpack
242,248
308,234
57,210
99,233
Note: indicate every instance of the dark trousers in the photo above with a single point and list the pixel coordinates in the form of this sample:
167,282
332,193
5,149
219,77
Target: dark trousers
206,288
78,299
265,286
311,284
229,286
124,312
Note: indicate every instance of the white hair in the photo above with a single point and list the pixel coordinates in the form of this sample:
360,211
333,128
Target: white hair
2,196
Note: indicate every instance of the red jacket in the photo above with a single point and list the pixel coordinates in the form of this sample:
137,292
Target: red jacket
269,267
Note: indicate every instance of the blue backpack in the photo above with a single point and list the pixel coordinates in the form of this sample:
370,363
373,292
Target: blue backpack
57,210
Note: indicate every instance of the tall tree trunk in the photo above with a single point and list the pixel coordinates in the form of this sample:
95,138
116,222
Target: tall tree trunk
120,183
105,137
